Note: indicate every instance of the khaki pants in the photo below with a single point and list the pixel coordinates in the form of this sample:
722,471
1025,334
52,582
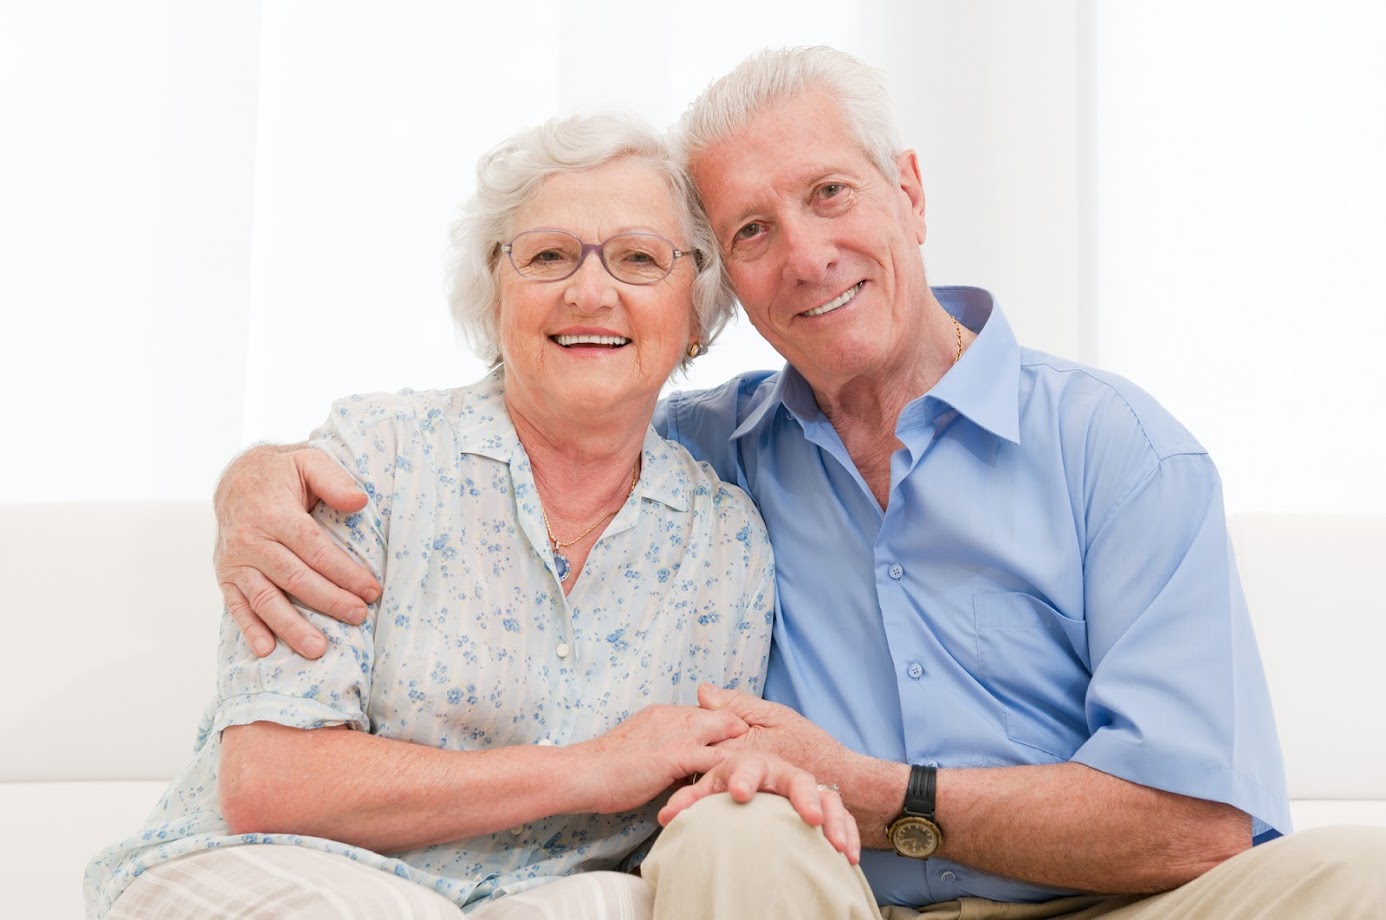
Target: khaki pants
724,860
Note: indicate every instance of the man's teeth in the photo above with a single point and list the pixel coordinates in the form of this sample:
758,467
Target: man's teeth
566,340
836,302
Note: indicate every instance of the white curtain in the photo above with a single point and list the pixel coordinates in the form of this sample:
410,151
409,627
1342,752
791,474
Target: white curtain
216,217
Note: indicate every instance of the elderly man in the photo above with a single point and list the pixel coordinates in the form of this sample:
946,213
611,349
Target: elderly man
1010,630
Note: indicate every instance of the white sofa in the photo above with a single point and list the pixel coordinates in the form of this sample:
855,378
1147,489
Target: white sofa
110,624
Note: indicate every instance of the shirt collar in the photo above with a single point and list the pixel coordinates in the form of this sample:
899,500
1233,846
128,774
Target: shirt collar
485,428
983,386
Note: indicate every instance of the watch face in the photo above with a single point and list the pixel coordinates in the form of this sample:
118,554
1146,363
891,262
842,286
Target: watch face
915,837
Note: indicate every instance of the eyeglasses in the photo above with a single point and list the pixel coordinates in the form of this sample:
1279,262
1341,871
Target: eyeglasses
552,255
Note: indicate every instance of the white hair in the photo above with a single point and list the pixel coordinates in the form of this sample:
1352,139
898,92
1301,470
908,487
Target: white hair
511,174
773,75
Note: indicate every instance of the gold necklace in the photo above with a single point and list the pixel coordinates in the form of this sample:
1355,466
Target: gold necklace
957,327
560,561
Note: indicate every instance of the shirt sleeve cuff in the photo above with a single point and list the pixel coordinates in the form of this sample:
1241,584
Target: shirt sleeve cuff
291,711
1176,771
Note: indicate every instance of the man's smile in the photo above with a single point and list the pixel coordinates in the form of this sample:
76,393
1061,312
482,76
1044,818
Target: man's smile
840,300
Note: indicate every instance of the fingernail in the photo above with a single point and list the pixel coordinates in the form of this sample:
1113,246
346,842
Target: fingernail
314,646
358,616
371,595
262,645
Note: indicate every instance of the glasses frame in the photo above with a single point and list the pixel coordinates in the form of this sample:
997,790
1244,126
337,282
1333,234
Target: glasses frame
600,249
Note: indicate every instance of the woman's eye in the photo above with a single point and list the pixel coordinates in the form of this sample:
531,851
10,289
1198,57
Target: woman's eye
749,231
548,255
831,190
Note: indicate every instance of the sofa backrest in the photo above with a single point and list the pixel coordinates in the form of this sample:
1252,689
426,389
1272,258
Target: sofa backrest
1321,626
110,627
111,616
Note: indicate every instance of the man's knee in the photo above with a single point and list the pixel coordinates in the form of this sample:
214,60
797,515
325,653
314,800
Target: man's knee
766,824
721,858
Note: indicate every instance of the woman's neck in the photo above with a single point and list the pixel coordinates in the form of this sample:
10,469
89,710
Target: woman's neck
582,467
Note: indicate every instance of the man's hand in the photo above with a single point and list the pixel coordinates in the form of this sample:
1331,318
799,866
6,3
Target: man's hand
745,773
780,731
268,544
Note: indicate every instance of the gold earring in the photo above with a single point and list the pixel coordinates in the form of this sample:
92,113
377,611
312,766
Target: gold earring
695,349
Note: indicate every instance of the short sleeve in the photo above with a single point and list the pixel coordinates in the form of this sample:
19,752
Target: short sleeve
285,687
1178,699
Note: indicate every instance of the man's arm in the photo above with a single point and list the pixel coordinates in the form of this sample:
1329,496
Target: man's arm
268,545
1065,825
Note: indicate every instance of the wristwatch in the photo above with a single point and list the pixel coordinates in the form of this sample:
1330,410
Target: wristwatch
915,833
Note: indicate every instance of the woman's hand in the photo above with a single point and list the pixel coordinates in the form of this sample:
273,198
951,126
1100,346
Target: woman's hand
747,772
268,544
651,751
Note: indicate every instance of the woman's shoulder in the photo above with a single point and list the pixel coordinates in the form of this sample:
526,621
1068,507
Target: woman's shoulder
421,409
697,483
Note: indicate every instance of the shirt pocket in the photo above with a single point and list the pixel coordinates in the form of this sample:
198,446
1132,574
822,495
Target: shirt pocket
1032,660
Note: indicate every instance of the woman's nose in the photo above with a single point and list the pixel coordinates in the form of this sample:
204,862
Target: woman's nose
591,288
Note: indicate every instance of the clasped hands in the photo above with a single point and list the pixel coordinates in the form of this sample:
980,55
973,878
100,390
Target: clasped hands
758,761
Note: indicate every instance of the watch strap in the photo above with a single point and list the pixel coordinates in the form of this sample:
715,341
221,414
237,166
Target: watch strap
919,794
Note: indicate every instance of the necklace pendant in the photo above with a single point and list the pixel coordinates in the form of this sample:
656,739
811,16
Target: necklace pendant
561,563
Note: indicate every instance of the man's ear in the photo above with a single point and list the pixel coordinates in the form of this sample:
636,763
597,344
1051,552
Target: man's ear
912,185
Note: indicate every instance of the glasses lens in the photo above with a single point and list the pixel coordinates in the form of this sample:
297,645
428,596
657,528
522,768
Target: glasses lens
638,258
546,255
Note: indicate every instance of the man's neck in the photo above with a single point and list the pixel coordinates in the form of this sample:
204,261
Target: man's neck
866,411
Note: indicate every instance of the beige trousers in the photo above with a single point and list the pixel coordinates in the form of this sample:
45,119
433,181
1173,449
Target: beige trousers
267,882
724,860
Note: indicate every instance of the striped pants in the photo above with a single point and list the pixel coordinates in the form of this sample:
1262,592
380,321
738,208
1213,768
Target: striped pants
294,883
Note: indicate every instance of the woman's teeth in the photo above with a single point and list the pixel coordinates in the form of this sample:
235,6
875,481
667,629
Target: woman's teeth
613,340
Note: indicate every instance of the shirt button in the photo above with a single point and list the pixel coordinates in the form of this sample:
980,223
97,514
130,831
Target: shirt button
517,831
896,571
545,742
916,670
562,650
948,876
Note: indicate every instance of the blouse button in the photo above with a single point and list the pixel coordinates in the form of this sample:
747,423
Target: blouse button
562,650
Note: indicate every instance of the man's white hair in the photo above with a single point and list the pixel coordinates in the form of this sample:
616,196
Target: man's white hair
776,74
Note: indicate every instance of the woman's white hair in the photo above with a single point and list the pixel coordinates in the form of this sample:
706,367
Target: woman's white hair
775,74
511,174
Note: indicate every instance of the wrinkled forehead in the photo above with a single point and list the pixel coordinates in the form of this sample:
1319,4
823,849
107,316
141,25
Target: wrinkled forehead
624,193
786,146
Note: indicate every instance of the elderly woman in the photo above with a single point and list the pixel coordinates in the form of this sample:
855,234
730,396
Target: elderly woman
557,581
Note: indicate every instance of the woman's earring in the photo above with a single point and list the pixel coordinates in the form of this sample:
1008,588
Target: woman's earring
694,349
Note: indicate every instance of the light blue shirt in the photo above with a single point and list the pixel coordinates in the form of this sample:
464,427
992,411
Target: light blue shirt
1052,581
474,645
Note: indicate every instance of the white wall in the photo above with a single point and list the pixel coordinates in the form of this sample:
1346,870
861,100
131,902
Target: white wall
216,217
1237,234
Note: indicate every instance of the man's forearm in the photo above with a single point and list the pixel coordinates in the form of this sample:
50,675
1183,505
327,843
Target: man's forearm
1065,825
